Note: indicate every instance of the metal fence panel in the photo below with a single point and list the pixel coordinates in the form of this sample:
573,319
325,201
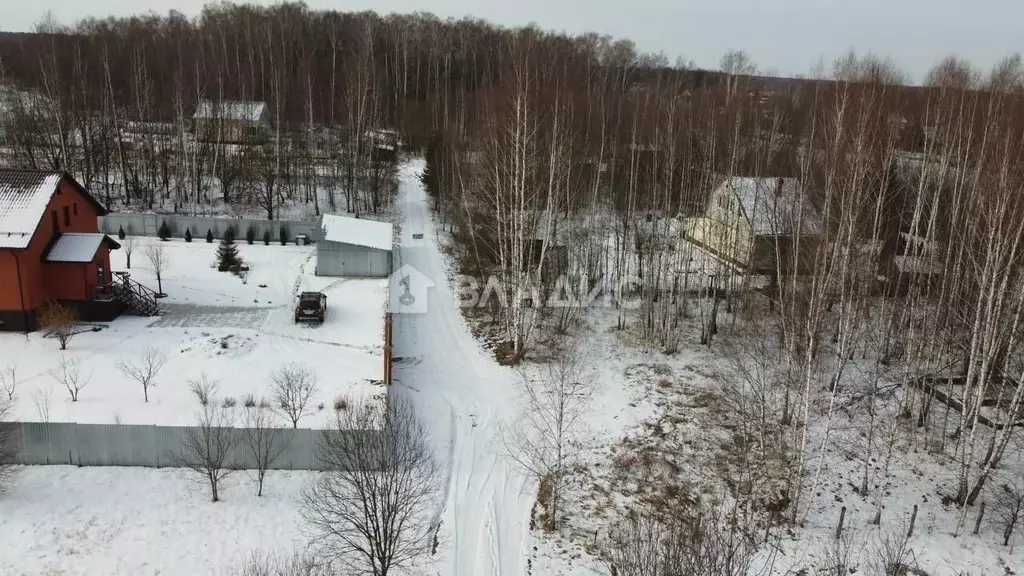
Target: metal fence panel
39,443
149,224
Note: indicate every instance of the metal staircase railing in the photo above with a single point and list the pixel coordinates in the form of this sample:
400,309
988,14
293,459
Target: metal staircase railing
135,295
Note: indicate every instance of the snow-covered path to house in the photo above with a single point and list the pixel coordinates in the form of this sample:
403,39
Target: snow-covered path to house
463,396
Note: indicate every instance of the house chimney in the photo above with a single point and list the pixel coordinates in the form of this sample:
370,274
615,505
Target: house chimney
778,187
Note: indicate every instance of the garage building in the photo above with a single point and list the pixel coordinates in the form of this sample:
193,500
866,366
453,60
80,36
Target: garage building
353,247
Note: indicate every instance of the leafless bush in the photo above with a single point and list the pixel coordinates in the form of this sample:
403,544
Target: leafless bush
144,371
707,545
370,508
841,556
69,374
229,402
265,441
203,389
262,564
59,319
207,445
7,439
892,555
41,400
545,439
249,400
1009,508
294,385
340,403
9,382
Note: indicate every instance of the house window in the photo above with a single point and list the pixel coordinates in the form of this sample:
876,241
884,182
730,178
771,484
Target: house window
74,208
54,221
67,216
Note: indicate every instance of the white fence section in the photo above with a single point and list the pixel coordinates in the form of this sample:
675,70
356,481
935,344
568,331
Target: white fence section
70,443
149,224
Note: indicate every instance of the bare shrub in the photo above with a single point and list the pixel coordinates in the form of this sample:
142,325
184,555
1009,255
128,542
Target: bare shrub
265,441
144,370
340,403
69,375
294,385
370,508
60,320
545,439
9,381
707,545
1009,508
892,555
207,445
7,439
203,389
263,564
229,402
249,400
41,400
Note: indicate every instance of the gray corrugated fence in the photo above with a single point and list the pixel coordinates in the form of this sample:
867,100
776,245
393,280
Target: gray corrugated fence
148,224
38,443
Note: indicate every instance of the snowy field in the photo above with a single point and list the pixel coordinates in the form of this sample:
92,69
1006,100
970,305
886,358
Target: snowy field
236,333
69,521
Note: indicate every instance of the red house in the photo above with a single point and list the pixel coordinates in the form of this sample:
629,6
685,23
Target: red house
51,249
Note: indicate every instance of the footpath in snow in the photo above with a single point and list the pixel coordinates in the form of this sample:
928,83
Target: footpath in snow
463,395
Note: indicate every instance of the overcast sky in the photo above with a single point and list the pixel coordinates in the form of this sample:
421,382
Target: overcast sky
785,36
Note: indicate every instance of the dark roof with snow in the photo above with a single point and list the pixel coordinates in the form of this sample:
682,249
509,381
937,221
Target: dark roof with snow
24,196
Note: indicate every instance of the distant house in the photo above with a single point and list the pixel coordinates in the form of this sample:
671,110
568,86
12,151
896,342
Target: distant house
230,120
353,247
51,249
752,222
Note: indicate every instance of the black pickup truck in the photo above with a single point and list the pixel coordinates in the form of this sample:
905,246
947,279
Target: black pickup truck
311,306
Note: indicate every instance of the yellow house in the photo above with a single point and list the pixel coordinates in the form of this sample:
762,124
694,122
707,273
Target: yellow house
747,219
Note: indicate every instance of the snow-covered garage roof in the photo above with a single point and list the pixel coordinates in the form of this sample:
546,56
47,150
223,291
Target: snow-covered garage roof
356,231
24,195
77,247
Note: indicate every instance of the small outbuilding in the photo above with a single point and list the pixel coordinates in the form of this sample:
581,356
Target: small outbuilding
353,247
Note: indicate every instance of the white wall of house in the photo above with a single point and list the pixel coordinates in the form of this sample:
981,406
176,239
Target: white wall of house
723,228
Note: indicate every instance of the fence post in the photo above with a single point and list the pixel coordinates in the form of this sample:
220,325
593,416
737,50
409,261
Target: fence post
842,517
913,519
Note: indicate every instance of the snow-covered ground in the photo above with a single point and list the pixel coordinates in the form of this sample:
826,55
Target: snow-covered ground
69,521
236,333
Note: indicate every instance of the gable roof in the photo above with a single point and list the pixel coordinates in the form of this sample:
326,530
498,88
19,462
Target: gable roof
24,196
78,247
238,110
357,232
774,211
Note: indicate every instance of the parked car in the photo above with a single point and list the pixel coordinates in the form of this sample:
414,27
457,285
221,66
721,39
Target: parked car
311,306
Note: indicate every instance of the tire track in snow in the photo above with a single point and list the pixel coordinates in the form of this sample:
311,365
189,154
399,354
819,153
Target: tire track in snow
461,394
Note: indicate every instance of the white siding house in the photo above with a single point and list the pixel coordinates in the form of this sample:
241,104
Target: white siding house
742,211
